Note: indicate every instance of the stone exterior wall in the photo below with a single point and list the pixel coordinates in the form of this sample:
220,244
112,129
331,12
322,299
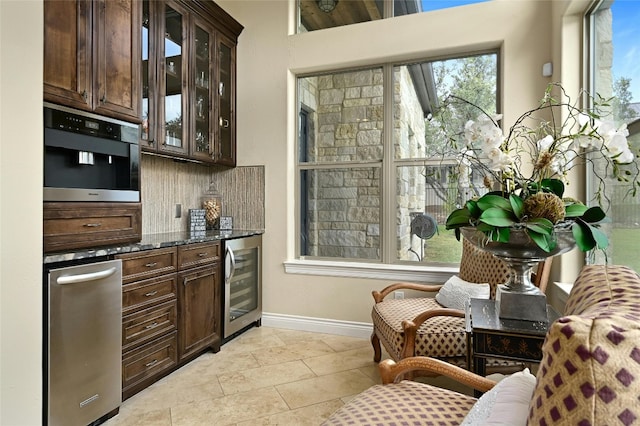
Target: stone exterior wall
346,124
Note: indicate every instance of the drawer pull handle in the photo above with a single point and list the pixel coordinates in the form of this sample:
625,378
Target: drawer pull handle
92,225
152,363
151,293
203,254
151,265
154,325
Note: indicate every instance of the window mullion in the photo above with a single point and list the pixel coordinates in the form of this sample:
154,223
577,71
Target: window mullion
388,196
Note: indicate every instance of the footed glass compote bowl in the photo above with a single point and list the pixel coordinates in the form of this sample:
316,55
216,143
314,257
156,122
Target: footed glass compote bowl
519,298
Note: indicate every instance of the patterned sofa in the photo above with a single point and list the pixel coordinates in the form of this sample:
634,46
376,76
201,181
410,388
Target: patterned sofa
589,374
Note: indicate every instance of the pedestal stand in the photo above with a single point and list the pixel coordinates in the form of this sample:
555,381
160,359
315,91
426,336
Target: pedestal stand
519,298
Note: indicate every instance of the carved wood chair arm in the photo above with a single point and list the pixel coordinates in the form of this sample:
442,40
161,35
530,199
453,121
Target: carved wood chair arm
391,371
410,327
378,296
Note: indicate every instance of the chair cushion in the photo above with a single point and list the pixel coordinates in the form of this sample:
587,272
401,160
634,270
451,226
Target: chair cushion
456,292
439,337
404,403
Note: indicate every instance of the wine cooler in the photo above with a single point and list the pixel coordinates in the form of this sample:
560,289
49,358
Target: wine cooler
242,284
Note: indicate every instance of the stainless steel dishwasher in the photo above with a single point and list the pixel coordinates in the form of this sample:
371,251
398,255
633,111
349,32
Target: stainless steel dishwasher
84,343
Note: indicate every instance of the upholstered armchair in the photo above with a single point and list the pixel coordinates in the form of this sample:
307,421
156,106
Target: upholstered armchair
423,327
589,373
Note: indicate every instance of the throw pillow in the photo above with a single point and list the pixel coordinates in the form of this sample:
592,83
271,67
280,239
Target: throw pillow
456,292
507,404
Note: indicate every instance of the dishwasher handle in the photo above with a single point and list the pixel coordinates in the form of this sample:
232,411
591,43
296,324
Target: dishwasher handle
80,278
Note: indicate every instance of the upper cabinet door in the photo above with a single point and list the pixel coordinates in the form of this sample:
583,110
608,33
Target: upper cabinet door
91,56
117,52
226,96
67,53
201,104
173,71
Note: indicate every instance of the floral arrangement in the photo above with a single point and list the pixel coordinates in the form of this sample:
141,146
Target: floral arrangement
526,171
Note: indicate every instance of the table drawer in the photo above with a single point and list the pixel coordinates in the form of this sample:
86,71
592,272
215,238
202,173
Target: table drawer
514,347
148,264
146,293
148,362
148,324
198,254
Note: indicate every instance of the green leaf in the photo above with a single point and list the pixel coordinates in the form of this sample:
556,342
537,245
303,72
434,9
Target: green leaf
496,216
575,210
458,218
594,215
601,239
473,208
545,241
504,234
540,225
517,205
492,201
553,185
583,235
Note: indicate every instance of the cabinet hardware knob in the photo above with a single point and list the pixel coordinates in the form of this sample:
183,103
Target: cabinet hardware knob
202,254
84,94
152,363
151,293
103,99
224,122
92,225
154,325
151,265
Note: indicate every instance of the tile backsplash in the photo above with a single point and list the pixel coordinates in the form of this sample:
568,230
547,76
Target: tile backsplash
166,182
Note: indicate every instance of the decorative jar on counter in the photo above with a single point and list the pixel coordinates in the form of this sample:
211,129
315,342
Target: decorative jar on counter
212,205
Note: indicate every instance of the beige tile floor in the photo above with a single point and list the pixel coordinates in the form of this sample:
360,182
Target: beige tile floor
266,376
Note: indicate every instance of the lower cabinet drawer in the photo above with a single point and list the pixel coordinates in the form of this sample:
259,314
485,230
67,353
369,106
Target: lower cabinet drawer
148,324
142,366
141,294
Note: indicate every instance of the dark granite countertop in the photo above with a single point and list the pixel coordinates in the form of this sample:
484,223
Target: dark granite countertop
151,241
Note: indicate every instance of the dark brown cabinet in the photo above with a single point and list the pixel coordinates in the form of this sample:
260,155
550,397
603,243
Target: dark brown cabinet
171,302
199,298
149,317
91,56
68,226
188,81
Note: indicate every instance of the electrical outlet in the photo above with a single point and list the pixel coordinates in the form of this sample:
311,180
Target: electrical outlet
178,210
398,294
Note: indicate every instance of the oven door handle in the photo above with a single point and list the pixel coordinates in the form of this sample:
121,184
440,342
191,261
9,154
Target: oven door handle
80,278
230,265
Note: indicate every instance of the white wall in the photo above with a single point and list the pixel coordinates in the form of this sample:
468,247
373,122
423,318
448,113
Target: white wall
20,212
266,110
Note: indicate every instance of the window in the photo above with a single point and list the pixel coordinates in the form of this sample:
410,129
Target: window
372,183
320,14
613,38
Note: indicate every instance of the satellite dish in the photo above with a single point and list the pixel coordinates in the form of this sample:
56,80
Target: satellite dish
424,226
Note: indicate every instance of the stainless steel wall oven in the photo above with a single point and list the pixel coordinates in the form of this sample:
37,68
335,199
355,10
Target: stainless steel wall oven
242,284
88,157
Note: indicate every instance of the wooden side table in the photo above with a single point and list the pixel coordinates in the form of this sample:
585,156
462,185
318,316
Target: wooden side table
489,336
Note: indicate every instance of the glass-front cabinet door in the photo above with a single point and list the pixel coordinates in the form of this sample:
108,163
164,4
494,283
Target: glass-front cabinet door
147,134
203,44
173,137
226,108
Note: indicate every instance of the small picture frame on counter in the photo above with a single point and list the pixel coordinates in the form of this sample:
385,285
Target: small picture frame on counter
197,223
226,222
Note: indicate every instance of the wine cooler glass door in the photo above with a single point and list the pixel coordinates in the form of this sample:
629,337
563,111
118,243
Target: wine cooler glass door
242,272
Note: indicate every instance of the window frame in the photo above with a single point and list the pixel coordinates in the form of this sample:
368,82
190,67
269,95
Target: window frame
387,266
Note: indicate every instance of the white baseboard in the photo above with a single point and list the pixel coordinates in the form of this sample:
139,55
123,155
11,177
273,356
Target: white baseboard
318,325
